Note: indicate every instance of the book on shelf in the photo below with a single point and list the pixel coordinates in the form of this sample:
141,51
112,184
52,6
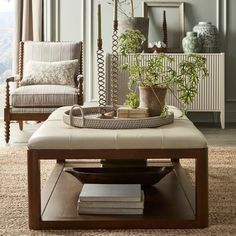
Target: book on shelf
111,192
110,211
112,204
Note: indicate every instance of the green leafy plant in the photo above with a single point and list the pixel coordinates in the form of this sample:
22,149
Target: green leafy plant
131,41
132,100
159,71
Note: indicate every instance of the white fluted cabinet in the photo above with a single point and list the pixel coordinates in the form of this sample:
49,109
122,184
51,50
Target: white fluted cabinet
211,96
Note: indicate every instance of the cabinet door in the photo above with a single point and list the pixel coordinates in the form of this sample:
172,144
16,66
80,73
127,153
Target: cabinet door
210,95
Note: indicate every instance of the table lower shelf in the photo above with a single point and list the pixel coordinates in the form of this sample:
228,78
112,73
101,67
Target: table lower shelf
166,205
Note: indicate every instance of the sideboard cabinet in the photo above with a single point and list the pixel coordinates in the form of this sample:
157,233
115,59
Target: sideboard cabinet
211,96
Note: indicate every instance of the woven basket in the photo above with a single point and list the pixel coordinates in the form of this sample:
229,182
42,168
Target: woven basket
87,117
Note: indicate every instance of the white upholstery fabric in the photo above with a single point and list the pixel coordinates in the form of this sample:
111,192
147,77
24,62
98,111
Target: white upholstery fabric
44,96
54,134
51,51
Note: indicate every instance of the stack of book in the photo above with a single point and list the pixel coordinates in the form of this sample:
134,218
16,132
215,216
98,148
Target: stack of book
127,112
114,199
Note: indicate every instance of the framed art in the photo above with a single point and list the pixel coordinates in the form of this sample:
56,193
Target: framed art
154,10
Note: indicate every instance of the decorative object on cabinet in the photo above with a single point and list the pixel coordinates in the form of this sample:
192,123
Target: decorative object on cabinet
164,29
211,91
208,34
158,75
154,10
192,43
157,47
130,21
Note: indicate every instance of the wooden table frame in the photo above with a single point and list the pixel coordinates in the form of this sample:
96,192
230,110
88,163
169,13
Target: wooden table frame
196,196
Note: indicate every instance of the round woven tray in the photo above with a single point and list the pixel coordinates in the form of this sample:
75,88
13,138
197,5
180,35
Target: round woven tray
87,117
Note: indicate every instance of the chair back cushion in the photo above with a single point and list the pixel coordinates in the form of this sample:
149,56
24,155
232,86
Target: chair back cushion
52,52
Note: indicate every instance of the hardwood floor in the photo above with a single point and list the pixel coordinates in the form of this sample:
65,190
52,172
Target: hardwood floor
18,137
213,133
219,137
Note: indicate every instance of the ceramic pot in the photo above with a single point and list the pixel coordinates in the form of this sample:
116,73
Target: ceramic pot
191,43
136,23
209,36
152,98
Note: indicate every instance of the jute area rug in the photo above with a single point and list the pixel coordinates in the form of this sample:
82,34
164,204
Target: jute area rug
222,197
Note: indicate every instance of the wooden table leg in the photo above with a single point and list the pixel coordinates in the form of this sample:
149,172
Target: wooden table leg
34,190
202,189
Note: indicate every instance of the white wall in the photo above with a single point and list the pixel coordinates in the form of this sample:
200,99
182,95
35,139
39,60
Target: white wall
70,20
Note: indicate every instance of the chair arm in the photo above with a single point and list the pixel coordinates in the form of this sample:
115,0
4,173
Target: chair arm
10,79
80,79
15,78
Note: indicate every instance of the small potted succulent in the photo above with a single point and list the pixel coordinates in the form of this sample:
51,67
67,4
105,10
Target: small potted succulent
154,77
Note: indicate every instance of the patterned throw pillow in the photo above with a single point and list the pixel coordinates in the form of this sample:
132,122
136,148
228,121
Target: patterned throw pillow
60,72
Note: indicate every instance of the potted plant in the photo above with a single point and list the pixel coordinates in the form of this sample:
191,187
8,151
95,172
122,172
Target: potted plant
130,21
154,77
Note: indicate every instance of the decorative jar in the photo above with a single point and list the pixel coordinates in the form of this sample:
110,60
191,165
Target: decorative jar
191,43
209,36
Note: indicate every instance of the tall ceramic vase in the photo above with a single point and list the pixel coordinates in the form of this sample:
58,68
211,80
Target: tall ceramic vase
209,36
136,23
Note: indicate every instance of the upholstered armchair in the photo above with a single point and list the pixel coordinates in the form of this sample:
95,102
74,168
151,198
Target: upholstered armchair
49,76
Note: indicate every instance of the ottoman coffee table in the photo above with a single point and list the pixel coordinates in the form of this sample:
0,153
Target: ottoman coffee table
174,202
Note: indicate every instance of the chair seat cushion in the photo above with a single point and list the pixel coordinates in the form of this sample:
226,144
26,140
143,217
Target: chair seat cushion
44,96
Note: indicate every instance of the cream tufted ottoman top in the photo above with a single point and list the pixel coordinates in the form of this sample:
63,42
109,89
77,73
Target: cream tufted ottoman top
55,134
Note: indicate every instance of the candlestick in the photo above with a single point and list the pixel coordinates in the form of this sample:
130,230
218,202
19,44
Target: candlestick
164,29
115,9
99,22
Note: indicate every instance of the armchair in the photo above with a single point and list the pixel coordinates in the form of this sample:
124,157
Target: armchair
37,101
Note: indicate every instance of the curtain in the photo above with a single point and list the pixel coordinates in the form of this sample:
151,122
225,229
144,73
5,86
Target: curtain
28,25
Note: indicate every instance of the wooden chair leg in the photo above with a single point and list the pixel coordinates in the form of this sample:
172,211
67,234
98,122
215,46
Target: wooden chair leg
21,124
7,131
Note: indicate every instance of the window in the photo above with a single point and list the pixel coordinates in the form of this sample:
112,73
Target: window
6,35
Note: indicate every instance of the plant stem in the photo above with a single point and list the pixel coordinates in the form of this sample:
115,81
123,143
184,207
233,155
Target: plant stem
132,7
177,99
